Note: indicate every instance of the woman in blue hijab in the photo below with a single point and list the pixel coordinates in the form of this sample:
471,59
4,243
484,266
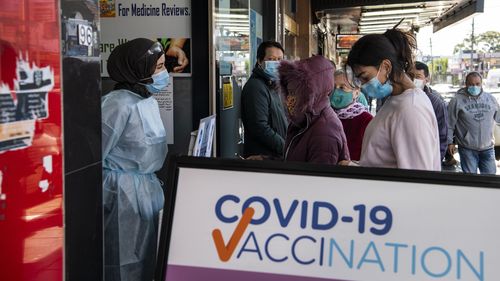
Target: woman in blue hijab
133,148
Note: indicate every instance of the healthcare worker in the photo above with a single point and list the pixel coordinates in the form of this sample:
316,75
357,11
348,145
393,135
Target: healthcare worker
133,148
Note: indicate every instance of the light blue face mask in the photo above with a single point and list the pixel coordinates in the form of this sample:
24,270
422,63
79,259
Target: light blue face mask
474,90
271,68
160,82
375,89
341,99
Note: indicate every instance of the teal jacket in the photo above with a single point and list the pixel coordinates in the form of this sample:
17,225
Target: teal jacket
263,116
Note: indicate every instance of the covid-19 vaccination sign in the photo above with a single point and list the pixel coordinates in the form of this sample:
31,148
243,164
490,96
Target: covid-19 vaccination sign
167,21
248,225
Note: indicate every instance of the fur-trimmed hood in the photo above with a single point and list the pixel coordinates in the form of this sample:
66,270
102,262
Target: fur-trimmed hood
310,81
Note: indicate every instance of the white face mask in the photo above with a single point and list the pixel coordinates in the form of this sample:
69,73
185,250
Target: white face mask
419,83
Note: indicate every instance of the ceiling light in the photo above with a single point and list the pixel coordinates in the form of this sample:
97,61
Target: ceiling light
392,12
387,17
233,16
382,22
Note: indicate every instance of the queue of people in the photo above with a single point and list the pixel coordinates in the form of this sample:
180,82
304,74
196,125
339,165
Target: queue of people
303,111
413,129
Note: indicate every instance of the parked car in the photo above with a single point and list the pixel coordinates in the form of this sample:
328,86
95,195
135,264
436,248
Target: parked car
493,79
447,91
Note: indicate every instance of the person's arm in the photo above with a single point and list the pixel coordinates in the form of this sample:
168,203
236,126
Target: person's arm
442,120
175,50
497,112
326,150
413,140
452,122
113,121
256,110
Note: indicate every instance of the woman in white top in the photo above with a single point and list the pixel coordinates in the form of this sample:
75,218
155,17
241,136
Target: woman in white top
404,133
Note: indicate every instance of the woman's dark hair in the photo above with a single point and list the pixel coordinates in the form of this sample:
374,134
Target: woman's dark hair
394,45
261,51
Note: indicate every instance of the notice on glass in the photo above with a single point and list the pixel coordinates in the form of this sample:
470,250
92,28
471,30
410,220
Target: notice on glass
227,92
165,101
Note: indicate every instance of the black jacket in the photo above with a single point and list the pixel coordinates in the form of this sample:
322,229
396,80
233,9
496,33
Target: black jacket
263,116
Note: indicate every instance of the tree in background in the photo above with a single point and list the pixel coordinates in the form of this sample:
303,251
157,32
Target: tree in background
440,66
439,69
465,46
487,42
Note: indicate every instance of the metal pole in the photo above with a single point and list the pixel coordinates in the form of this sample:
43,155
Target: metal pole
432,59
472,47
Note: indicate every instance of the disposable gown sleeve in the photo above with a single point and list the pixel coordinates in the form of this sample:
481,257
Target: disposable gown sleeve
114,120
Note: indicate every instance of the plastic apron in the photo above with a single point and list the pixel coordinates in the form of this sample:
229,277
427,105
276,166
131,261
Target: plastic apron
134,147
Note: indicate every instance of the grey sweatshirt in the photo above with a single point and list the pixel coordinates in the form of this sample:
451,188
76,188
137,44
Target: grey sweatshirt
472,119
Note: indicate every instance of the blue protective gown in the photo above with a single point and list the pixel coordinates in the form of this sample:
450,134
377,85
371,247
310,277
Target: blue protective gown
133,147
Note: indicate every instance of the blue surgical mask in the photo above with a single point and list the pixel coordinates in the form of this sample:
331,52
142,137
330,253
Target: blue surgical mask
419,83
474,90
375,89
160,82
341,99
271,68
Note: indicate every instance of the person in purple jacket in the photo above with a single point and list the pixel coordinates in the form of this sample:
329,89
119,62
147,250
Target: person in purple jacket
315,133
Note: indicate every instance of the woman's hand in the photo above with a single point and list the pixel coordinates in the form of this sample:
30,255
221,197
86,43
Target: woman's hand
344,163
452,149
255,157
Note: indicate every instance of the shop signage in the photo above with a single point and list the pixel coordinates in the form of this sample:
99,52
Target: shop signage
169,22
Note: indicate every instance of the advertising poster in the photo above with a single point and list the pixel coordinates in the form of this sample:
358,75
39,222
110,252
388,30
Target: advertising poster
345,41
233,43
168,22
255,35
31,176
282,226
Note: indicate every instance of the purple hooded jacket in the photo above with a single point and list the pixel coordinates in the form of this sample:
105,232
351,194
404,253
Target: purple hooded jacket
315,133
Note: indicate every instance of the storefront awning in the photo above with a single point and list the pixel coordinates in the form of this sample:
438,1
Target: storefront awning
351,16
459,12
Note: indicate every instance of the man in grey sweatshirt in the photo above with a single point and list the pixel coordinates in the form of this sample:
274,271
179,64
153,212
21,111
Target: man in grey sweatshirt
472,114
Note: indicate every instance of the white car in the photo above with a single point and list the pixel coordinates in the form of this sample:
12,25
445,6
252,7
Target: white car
493,79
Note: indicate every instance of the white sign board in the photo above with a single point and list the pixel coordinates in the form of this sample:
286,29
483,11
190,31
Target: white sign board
168,21
241,225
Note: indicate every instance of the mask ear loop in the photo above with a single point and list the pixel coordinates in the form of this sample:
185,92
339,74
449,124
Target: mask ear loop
386,76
